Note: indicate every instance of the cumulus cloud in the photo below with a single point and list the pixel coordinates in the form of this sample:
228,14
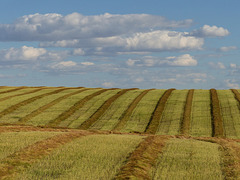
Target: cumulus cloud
161,40
183,60
45,27
150,61
23,53
26,53
210,31
227,48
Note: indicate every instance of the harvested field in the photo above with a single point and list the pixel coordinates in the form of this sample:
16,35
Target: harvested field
96,133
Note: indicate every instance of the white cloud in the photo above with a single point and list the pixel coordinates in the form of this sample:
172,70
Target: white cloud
154,41
63,65
108,84
231,83
78,52
163,41
227,48
26,53
150,61
233,66
218,65
210,31
183,60
23,53
87,63
51,27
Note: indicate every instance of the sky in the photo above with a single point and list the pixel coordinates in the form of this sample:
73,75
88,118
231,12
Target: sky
120,44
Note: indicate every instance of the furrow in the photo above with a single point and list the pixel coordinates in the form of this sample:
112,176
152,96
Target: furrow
217,122
27,101
9,97
142,160
155,118
74,108
126,115
23,158
86,124
43,108
185,124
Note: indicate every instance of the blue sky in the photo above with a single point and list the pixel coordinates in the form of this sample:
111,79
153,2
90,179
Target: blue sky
128,43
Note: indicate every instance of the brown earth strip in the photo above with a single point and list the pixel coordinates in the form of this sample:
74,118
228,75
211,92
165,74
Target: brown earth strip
142,160
186,121
126,115
9,97
43,108
230,156
217,122
157,113
11,90
27,101
237,94
26,156
74,108
86,124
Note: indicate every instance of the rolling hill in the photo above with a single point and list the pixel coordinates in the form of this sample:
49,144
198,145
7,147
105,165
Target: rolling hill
96,133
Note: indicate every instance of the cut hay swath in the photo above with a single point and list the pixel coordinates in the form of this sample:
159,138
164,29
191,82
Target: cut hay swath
89,108
24,157
230,113
154,121
27,101
127,114
171,118
74,108
186,121
217,122
86,124
48,105
142,161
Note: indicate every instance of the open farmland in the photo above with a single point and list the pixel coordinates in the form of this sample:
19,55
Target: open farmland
96,133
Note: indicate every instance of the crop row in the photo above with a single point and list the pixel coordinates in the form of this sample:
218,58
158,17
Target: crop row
163,112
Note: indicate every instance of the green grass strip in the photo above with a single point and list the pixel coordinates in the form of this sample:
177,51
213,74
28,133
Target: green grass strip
230,156
201,118
230,113
9,97
23,158
142,161
27,101
154,121
188,159
86,124
43,108
126,115
74,108
186,121
95,157
217,122
11,90
12,142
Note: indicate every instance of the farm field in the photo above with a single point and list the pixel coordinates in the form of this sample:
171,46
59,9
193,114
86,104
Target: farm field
96,133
